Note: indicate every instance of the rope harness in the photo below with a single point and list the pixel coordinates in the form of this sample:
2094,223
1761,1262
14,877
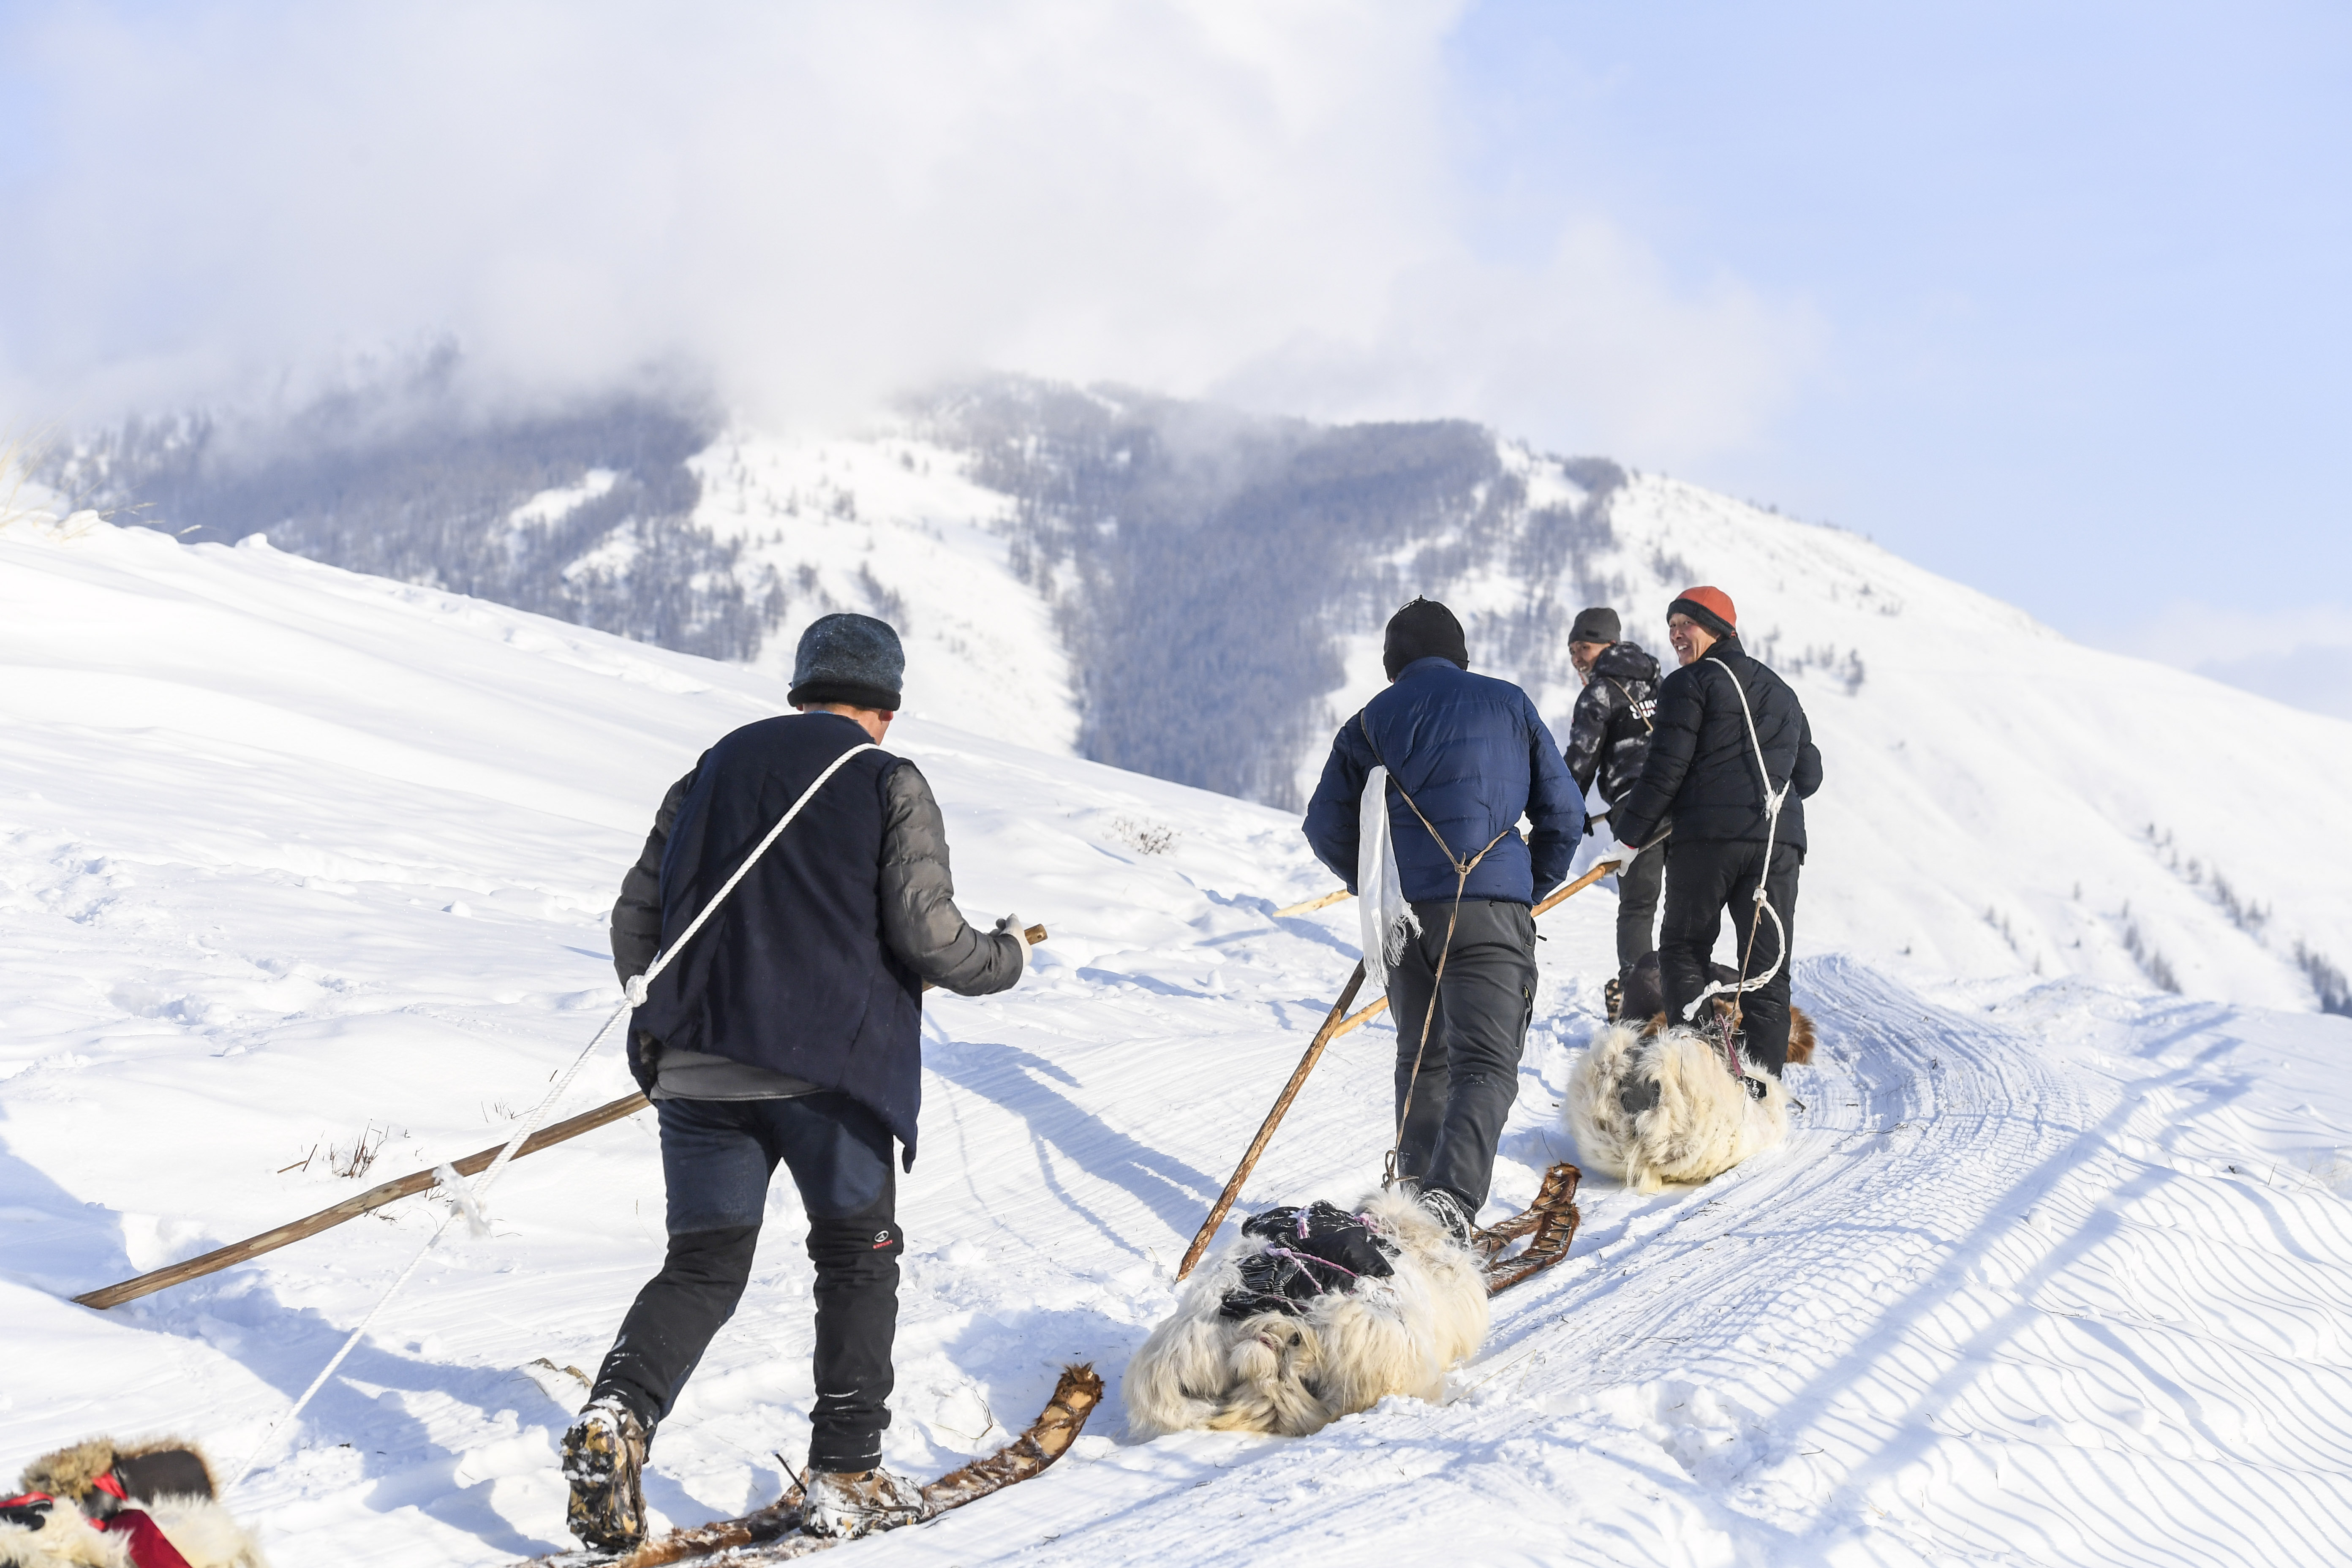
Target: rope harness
1772,802
468,1201
1461,869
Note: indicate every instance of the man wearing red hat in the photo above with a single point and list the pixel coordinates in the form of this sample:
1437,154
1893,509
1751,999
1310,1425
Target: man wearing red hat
1731,764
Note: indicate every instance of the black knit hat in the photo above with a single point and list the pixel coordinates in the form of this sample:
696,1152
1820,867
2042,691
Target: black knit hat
849,658
1422,629
1598,624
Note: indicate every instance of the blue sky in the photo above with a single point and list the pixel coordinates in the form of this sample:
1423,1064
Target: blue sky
2083,274
2051,299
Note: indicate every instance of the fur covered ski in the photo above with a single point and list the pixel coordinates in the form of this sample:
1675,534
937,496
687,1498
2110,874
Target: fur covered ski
772,1535
1549,1223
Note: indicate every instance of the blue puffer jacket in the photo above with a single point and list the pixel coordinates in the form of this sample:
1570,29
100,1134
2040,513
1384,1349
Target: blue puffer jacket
1475,757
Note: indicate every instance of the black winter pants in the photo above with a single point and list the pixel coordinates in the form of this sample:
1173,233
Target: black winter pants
1470,1066
1703,878
1637,907
717,1156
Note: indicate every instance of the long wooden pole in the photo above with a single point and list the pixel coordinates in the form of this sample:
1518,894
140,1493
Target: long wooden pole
350,1208
1333,1028
375,1197
1323,1036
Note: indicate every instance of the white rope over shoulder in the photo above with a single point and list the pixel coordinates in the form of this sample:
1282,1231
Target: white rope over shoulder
1773,800
470,1201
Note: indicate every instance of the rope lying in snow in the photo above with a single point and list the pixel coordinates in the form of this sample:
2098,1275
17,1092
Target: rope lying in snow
1772,802
469,1200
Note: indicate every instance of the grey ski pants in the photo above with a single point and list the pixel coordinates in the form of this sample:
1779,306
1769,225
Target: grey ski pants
1470,1065
1637,908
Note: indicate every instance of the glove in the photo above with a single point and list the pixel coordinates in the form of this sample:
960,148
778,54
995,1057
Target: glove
1622,854
1593,821
1013,926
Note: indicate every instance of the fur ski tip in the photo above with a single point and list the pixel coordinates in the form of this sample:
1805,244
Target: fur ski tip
1295,1371
1047,1439
1660,1109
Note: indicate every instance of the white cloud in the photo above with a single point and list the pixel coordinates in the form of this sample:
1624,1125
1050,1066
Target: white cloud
826,203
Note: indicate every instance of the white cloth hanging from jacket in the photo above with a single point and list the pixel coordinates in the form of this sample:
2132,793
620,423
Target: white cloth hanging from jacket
1387,920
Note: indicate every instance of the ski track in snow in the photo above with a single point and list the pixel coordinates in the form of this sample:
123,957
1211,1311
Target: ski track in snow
2049,1273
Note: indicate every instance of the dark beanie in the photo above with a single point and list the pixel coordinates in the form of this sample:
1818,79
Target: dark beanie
1710,607
1598,624
849,658
1422,629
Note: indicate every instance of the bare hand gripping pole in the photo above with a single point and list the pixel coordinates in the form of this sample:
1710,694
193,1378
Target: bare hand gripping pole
1337,1023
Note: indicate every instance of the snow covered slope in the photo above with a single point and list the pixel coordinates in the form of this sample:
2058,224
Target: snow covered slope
295,863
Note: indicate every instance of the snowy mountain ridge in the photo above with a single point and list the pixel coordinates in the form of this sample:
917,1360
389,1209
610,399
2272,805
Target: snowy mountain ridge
2034,792
1196,594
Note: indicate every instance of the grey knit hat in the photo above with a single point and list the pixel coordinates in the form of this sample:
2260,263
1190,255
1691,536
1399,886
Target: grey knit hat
1598,624
849,658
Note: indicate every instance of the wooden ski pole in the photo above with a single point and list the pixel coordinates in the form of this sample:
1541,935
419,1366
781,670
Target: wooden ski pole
1340,895
1333,1028
1323,1036
374,1198
1337,895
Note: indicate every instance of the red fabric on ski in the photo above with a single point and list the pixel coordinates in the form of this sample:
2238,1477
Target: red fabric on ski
148,1545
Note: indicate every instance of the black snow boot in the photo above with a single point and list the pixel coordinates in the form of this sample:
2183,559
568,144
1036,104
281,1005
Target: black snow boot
605,1459
863,1503
1447,1209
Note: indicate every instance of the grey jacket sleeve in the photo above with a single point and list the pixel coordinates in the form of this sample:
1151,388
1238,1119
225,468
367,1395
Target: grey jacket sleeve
637,912
919,919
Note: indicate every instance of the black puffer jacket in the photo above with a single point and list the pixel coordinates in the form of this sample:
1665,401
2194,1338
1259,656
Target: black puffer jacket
1609,734
1701,772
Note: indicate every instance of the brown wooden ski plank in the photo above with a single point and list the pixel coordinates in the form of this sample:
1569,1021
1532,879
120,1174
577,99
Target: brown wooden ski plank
1549,1223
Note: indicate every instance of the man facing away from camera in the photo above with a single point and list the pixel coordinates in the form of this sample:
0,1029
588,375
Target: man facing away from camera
1465,756
788,1032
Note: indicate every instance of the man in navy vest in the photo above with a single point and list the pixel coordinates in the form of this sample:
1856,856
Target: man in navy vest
789,1030
1468,755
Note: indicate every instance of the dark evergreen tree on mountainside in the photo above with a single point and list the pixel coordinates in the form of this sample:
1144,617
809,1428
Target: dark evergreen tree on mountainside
428,500
1218,556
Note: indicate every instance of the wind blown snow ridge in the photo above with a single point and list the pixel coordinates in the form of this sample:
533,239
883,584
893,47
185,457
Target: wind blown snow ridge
295,863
